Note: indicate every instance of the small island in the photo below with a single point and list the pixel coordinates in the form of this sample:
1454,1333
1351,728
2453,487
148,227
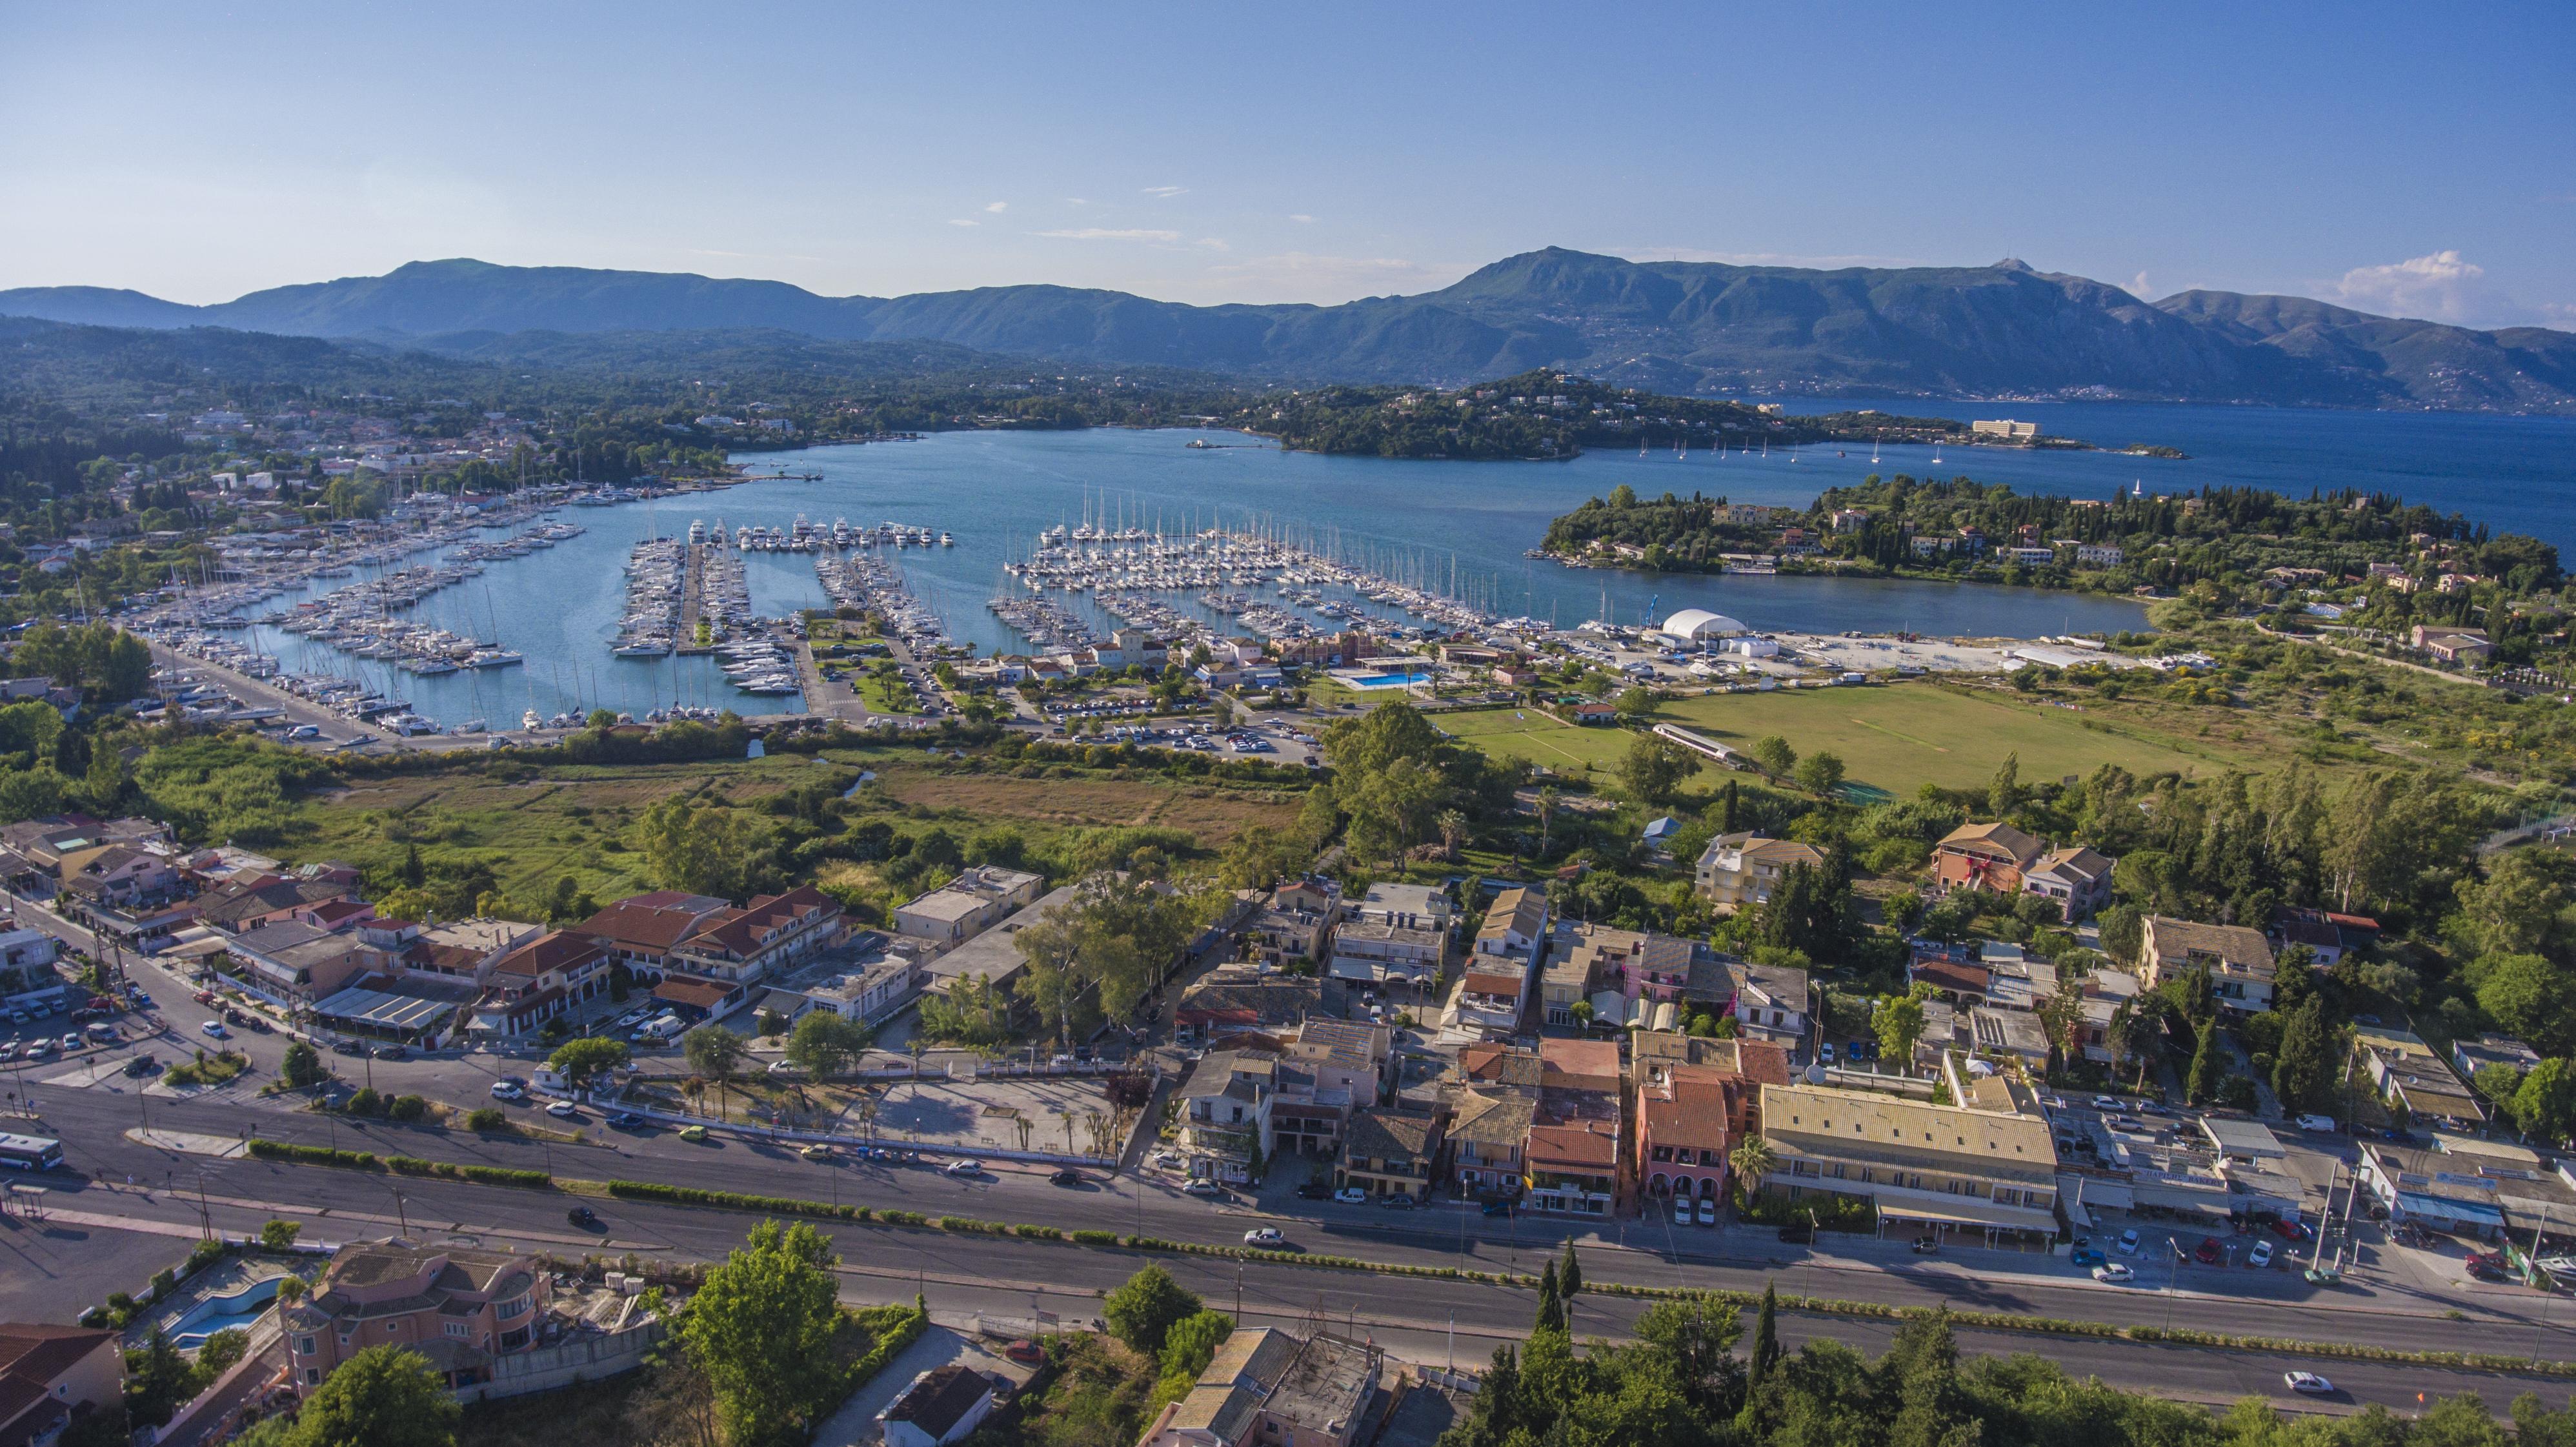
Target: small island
1549,415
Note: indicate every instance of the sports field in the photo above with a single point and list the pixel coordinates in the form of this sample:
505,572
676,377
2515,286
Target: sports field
1541,738
1899,737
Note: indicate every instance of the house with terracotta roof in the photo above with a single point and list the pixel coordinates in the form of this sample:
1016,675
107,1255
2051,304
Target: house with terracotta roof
53,1376
539,980
772,933
1570,1156
1988,856
1686,1126
640,931
461,1308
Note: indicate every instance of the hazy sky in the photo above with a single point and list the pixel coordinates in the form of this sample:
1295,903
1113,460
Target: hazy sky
2396,158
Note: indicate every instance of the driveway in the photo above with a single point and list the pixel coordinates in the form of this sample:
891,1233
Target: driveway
856,1420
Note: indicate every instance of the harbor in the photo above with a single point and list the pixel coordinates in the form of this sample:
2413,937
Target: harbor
1056,558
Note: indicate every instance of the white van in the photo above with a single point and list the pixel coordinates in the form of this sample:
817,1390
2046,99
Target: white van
659,1031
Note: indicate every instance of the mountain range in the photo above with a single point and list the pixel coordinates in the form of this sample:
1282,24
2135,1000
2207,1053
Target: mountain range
2004,330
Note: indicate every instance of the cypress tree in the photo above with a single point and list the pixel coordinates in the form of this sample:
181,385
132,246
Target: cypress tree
1727,810
2303,1076
1569,1276
1551,1303
2203,1084
1766,1337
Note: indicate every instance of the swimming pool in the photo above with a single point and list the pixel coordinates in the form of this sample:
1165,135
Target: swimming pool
1388,680
219,1313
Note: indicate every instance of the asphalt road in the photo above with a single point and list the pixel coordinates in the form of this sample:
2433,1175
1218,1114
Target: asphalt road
1007,1277
92,1120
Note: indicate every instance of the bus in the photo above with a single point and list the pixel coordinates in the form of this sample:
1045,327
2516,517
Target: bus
30,1153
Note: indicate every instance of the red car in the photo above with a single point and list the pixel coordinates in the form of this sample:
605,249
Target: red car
2291,1230
205,997
2208,1252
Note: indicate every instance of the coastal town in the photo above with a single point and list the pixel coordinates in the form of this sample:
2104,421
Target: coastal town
1037,728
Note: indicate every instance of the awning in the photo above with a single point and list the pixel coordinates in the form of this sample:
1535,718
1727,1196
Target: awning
1980,1214
384,1011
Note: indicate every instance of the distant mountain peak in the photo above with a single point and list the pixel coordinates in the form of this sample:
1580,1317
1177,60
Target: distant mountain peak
1670,326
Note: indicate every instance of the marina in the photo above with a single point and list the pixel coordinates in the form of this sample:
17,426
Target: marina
1076,534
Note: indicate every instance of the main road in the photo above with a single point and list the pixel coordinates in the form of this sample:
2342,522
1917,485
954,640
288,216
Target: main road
176,1191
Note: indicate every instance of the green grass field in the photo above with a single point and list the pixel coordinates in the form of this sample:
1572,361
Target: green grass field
1902,736
1527,733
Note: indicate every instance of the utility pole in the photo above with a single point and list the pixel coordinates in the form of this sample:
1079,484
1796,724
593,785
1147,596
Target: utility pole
400,1213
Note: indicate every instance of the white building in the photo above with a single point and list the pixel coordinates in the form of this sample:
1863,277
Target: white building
1699,628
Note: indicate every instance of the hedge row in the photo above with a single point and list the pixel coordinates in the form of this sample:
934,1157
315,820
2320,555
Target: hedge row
269,1150
864,1370
970,1226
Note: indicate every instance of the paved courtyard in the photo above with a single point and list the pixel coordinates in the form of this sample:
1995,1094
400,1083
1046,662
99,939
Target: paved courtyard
986,1114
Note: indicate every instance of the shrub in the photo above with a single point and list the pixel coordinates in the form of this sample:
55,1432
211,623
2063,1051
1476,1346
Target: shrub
489,1118
279,1235
408,1107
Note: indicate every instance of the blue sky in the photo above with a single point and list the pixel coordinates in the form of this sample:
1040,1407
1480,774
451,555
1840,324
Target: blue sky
2405,160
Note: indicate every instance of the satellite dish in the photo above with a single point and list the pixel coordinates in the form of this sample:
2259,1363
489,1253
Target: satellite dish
1815,1072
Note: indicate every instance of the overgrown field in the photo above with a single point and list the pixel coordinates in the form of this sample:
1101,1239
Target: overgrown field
534,826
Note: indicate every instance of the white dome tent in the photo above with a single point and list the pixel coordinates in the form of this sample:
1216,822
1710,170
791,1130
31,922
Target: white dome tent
1700,627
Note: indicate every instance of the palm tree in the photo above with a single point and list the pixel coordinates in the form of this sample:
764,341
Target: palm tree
1546,812
1453,828
1751,1161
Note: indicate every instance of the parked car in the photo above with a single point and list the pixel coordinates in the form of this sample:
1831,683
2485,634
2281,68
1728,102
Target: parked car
1027,1353
2105,1102
141,1065
693,1133
215,1028
1499,1208
1315,1190
1681,1210
2308,1384
2129,1242
1825,1053
563,1110
2114,1273
1204,1187
816,1151
2088,1256
967,1166
507,1090
1351,1196
1263,1236
624,1120
2207,1253
1708,1210
2291,1228
1925,1246
584,1217
1067,1177
2260,1256
1396,1201
75,1041
2324,1123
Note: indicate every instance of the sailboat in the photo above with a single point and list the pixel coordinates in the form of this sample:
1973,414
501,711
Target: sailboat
1873,451
1641,442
